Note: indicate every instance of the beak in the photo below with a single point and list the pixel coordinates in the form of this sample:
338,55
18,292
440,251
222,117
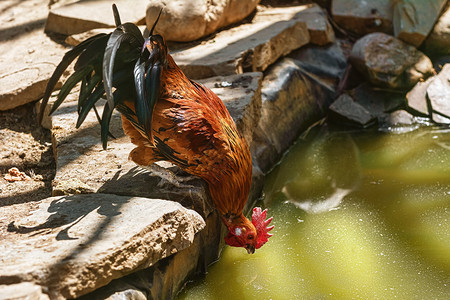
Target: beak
250,249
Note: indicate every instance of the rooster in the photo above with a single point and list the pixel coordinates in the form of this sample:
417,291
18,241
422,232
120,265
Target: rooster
167,116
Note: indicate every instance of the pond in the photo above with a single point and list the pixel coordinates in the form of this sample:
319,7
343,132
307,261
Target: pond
356,215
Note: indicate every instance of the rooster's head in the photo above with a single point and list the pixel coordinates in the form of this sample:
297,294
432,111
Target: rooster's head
250,235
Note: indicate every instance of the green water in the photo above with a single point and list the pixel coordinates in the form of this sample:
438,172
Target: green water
356,215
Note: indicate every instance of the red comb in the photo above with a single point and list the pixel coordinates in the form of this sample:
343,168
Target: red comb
260,223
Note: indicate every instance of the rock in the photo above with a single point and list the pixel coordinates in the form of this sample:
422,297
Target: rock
377,101
327,62
168,276
28,56
320,30
254,46
416,98
399,121
85,241
438,92
241,94
389,62
195,19
414,19
431,98
363,17
81,16
346,111
292,99
400,117
24,290
438,41
75,39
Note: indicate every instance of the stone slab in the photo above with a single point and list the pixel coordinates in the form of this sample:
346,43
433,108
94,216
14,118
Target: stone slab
23,290
320,30
438,93
273,33
438,41
84,15
72,245
416,98
414,19
348,111
362,17
377,101
28,56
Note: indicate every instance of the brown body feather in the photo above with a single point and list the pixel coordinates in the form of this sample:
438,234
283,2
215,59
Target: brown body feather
194,130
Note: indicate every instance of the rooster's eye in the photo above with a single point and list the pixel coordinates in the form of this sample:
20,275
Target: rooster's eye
250,237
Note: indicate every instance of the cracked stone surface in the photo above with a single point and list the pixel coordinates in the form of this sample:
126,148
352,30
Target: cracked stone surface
29,56
88,240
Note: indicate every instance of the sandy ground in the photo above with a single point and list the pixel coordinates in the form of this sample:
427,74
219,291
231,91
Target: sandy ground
23,143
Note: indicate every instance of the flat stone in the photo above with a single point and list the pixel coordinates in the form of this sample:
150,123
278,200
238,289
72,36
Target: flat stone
88,240
414,19
328,62
195,19
377,101
399,121
75,39
320,30
389,62
168,276
399,118
417,98
28,55
254,46
438,92
438,41
347,111
85,15
241,94
23,290
363,17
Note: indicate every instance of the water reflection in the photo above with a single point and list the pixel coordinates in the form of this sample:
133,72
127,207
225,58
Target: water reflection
356,215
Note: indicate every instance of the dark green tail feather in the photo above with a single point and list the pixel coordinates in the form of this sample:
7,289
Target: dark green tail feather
106,61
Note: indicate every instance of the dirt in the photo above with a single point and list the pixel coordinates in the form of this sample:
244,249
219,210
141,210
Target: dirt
26,146
23,143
